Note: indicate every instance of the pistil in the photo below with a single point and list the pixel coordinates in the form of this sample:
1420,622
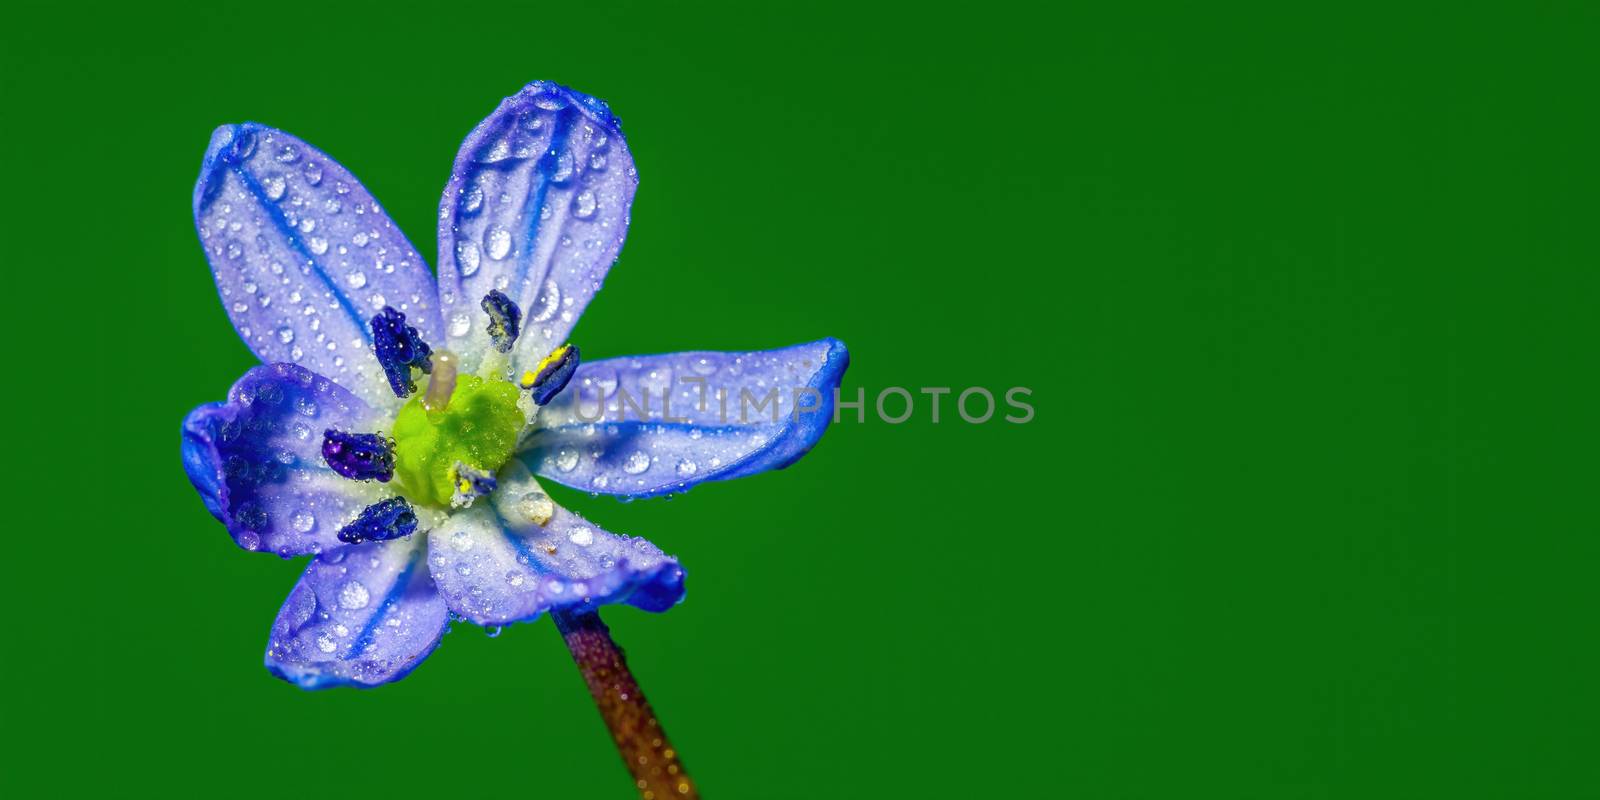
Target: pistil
442,383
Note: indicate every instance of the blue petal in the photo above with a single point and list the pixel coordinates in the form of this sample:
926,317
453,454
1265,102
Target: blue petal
359,616
257,460
536,207
304,257
495,564
778,403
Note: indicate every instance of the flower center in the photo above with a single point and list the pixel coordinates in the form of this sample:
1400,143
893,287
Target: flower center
477,428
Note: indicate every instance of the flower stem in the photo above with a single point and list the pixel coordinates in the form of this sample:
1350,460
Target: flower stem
640,741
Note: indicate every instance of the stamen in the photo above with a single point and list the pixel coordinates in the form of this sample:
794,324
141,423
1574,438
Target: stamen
381,521
505,320
399,348
470,483
550,376
359,456
442,383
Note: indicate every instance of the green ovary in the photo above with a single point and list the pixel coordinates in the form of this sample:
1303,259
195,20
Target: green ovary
478,427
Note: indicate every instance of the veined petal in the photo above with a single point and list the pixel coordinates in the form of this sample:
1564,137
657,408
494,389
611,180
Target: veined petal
495,563
536,207
705,417
257,460
304,257
359,616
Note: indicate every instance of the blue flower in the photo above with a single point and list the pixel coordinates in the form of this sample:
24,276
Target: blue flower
398,427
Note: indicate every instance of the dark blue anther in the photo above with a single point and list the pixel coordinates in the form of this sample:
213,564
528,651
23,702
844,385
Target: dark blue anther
505,320
399,348
550,376
381,521
359,456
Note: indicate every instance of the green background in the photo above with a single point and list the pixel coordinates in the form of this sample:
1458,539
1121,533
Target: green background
1306,302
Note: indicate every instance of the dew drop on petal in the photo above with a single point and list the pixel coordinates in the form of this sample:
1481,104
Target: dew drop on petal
274,187
583,205
547,303
467,257
497,242
353,595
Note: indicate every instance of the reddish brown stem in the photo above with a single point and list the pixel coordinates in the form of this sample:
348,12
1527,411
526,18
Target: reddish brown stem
640,741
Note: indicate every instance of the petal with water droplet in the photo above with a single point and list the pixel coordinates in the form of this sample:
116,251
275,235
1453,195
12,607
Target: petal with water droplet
257,462
495,563
537,207
320,254
652,425
361,616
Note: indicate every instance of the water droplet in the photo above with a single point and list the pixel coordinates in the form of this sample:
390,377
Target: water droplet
537,507
584,204
356,279
274,186
547,304
656,382
326,644
497,242
460,324
493,631
242,146
597,161
288,154
471,200
515,578
318,245
312,173
636,463
582,537
605,380
567,459
304,522
467,256
286,335
562,170
354,595
460,541
550,98
702,366
687,468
